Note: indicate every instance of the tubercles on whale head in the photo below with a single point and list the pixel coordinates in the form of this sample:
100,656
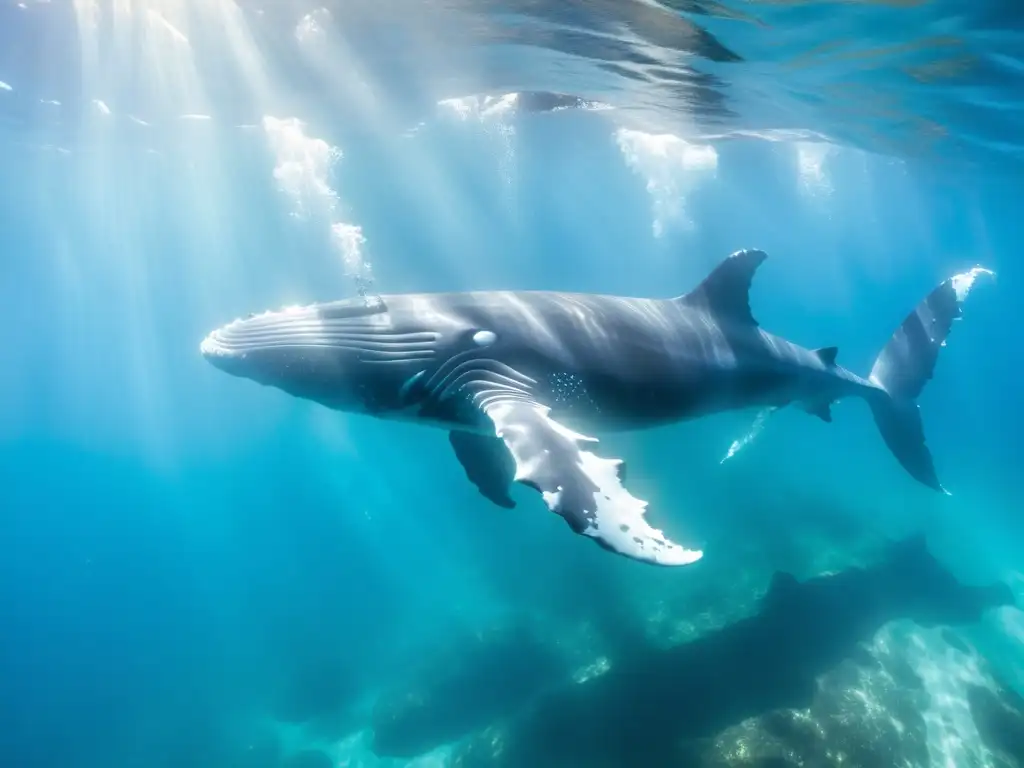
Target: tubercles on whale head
294,349
345,354
261,346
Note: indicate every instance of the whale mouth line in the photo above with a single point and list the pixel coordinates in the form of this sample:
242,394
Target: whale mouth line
212,346
309,329
220,343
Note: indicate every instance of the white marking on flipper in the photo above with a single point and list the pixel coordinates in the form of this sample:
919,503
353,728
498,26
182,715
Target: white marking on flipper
620,518
963,282
580,486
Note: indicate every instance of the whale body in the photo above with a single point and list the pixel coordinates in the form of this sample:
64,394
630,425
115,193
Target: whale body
520,380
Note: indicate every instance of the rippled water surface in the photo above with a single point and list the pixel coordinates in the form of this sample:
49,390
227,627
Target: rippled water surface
904,77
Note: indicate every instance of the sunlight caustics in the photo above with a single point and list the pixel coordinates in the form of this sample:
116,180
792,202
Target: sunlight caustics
1008,622
1006,625
952,735
298,741
673,169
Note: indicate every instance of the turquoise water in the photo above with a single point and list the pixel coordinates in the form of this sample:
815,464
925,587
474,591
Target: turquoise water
199,571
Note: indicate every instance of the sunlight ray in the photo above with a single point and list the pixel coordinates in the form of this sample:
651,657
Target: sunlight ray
139,69
329,55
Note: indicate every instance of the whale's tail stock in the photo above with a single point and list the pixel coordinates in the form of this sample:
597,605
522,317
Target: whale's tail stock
906,364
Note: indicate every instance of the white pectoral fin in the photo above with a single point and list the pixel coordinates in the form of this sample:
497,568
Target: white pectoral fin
579,485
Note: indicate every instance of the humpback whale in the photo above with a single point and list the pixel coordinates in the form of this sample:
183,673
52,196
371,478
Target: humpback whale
521,380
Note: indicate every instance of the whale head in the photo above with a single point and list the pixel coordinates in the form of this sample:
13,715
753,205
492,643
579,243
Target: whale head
347,355
414,356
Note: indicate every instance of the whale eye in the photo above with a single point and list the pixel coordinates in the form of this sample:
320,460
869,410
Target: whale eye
484,338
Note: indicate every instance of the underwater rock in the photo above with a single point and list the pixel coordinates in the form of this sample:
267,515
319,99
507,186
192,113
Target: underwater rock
878,711
799,683
463,687
319,692
866,713
999,716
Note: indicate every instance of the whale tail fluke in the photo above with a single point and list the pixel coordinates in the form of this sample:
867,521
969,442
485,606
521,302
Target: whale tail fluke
899,421
906,364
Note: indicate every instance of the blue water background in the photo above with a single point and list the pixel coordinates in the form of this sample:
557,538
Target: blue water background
178,544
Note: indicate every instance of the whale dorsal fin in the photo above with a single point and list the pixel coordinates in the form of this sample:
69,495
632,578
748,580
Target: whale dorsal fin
827,355
726,291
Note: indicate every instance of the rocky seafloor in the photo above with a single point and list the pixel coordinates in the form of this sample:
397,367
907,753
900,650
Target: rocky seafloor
874,709
868,666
